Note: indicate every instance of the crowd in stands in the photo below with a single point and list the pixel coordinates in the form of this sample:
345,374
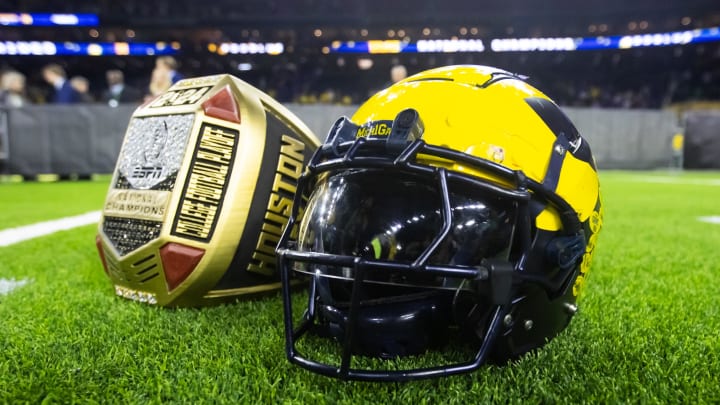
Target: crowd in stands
60,88
649,78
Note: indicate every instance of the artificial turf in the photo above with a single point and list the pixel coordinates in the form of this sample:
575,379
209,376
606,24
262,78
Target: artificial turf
24,203
646,332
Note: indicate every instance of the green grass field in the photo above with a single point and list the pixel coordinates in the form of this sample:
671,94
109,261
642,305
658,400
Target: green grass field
647,330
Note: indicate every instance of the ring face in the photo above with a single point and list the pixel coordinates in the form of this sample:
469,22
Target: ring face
187,215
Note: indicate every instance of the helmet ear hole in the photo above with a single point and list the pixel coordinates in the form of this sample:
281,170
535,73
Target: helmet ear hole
566,251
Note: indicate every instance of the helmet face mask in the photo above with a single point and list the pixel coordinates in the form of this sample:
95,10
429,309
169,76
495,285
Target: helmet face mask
359,213
405,253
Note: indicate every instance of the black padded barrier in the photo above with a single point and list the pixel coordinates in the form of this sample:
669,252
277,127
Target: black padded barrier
702,140
65,140
86,139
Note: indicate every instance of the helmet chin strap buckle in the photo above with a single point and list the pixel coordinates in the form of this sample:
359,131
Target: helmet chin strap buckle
500,273
406,127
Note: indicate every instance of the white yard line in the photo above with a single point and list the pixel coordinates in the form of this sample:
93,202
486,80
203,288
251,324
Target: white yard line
23,233
8,285
712,220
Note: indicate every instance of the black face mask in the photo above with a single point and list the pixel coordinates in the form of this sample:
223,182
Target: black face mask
368,214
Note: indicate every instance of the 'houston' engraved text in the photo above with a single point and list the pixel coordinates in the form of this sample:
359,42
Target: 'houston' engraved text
289,169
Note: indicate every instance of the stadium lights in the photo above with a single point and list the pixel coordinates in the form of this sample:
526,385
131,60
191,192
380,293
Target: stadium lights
48,48
533,44
247,48
390,46
455,45
397,46
48,19
450,45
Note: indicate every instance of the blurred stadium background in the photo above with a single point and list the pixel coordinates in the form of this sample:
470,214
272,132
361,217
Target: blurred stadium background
658,59
286,47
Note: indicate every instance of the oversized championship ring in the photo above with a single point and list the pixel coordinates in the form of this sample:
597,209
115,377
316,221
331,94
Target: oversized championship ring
200,195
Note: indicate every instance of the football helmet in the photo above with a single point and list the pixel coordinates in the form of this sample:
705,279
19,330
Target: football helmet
454,216
200,194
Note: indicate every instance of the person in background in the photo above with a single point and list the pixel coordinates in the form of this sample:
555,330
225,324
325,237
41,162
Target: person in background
169,64
12,89
82,86
397,73
55,75
678,141
117,91
160,81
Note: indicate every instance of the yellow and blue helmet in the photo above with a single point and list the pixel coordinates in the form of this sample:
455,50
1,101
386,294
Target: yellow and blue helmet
457,208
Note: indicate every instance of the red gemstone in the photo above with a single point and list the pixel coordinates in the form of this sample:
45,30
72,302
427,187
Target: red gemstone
178,262
222,105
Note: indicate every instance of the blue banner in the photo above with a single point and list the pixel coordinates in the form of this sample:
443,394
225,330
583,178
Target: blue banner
48,19
46,48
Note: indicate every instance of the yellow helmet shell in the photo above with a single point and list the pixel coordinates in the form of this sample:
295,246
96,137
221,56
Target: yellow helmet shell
484,111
